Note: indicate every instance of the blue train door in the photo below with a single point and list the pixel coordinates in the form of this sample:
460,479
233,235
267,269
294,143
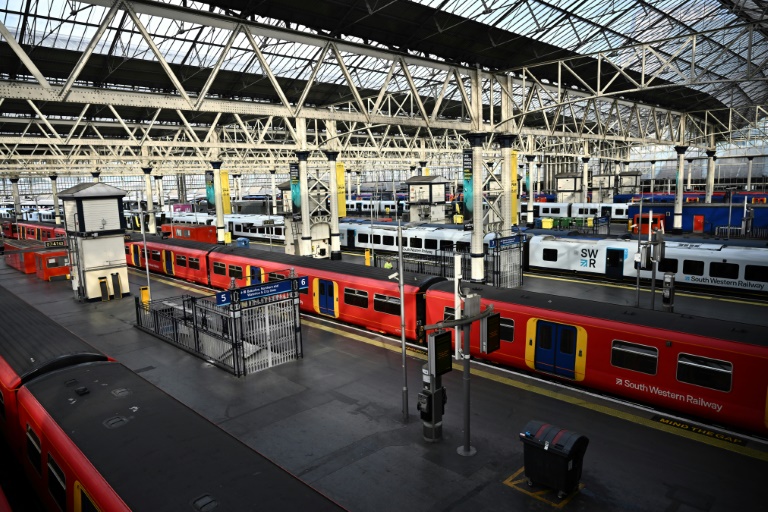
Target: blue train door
136,255
555,348
168,262
325,298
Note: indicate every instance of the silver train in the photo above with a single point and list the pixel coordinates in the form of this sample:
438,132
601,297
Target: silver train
735,268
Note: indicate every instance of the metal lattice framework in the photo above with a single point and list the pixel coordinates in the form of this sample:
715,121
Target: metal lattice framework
115,86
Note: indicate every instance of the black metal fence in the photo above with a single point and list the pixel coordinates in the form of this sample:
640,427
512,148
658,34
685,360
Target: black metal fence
239,338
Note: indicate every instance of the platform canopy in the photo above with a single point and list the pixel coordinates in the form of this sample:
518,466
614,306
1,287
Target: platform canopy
113,86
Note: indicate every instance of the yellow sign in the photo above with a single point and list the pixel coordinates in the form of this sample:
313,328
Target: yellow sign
341,189
226,206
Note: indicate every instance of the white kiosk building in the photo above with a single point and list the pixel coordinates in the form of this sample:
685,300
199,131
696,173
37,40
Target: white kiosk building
95,226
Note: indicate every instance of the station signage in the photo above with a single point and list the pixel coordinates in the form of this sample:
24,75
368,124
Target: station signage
56,243
259,291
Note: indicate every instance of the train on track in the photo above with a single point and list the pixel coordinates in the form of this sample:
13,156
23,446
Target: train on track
700,367
93,435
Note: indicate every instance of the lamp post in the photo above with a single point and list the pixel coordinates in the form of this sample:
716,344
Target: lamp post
399,275
146,254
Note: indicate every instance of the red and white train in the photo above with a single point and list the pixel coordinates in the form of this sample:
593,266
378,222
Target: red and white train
91,435
700,367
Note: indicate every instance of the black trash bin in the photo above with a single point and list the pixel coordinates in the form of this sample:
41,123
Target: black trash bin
553,456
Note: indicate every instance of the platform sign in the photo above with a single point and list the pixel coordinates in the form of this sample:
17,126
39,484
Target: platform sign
440,353
56,243
262,290
504,242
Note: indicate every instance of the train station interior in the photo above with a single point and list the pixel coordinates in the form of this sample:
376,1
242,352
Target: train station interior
205,191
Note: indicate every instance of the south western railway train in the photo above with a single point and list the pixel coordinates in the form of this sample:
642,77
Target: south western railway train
92,435
701,265
700,367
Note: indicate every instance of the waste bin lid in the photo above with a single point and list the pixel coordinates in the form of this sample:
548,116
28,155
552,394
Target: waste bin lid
555,439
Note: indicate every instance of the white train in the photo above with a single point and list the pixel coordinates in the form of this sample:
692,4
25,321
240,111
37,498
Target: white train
617,211
418,239
695,264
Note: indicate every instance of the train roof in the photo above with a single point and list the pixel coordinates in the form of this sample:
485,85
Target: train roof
421,281
701,326
31,343
157,453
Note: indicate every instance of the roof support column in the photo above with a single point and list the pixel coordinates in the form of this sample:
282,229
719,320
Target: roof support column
96,175
151,224
653,175
333,187
55,192
508,182
585,179
710,175
690,172
16,198
749,173
238,182
159,191
477,251
274,191
677,221
349,185
529,186
181,187
305,245
218,202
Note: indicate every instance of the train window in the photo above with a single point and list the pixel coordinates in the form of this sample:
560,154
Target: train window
33,449
544,335
446,245
181,261
376,239
549,255
389,240
362,238
704,372
449,314
639,358
693,267
416,243
430,243
568,341
724,270
155,256
236,271
756,273
386,304
507,331
219,268
279,231
127,249
668,265
554,211
358,298
275,276
462,246
194,263
57,483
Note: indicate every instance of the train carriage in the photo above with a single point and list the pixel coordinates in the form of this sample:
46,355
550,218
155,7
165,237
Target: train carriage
703,367
701,265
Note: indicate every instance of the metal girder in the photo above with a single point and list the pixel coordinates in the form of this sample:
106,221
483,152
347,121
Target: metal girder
407,99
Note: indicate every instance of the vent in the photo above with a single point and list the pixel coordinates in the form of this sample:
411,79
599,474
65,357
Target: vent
121,392
205,503
82,391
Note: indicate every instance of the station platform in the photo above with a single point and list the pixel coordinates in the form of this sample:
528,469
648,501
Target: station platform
334,418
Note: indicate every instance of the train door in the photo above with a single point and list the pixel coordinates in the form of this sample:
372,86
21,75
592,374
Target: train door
253,275
556,348
325,298
168,262
605,211
136,255
614,263
351,235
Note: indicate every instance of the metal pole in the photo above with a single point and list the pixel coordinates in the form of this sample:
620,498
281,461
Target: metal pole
146,258
456,303
466,450
400,272
640,259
